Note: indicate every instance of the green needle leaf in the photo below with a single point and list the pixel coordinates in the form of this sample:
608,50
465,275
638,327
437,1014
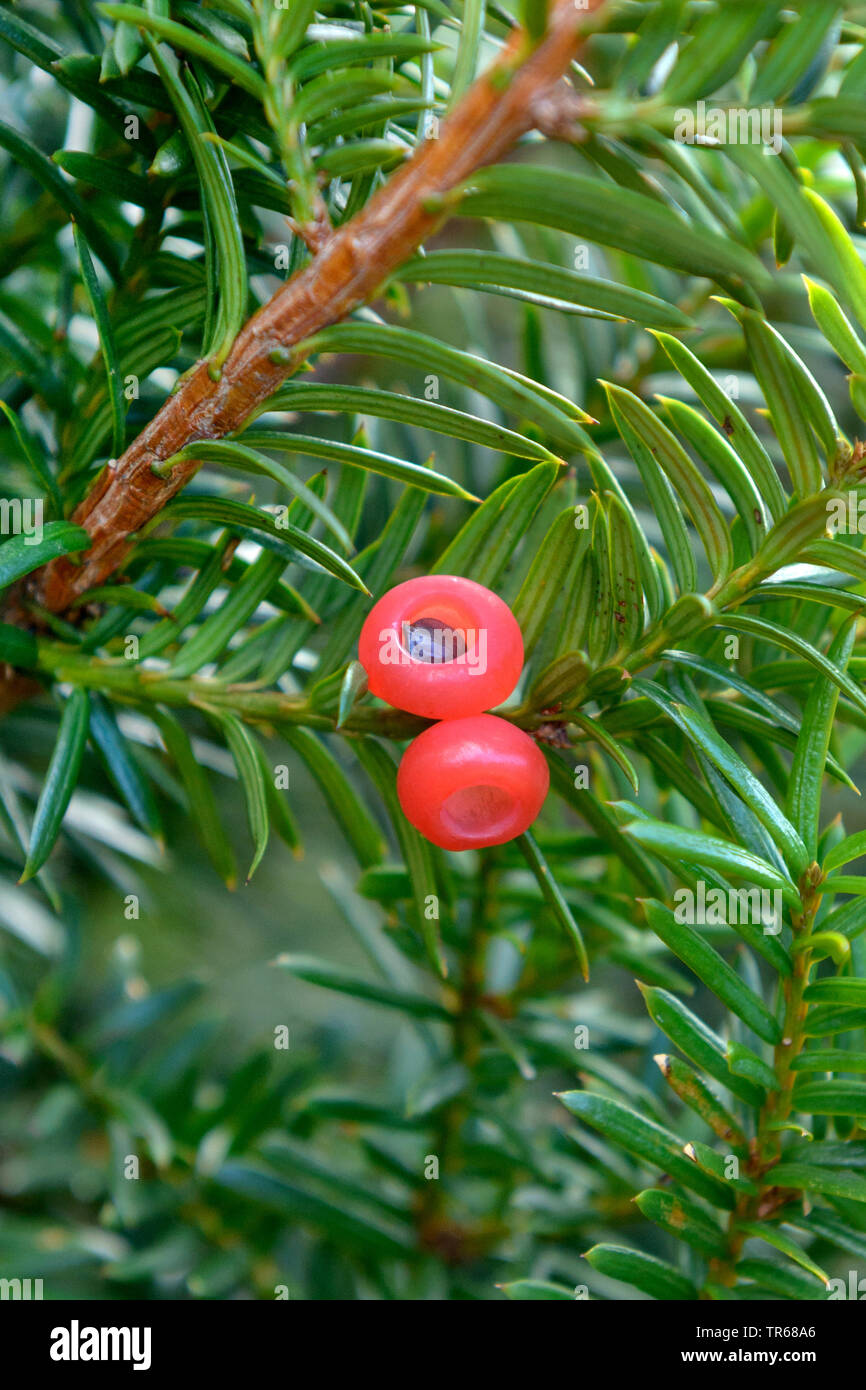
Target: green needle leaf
179,36
414,474
713,970
228,277
202,803
646,1272
22,554
554,898
107,345
825,1181
328,976
284,539
247,760
122,766
524,398
549,286
609,215
684,1220
34,458
702,734
813,743
46,173
60,780
792,642
646,1140
390,405
417,852
700,1044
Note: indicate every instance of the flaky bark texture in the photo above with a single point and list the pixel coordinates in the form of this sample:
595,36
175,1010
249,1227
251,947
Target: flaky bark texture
347,271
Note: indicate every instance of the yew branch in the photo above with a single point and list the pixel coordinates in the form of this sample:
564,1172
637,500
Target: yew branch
348,270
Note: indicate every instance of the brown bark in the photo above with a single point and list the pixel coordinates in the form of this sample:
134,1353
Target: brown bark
349,269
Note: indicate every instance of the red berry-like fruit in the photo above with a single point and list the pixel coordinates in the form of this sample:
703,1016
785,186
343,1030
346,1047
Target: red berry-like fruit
441,646
467,783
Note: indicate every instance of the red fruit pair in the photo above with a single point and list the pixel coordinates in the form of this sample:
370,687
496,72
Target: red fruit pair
448,648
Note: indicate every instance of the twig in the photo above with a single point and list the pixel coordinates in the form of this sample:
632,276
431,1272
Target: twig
347,271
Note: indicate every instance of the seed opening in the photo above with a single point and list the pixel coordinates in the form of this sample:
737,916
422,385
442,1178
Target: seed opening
433,641
477,809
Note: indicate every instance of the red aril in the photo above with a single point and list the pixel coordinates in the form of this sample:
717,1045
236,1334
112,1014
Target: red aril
467,783
441,646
